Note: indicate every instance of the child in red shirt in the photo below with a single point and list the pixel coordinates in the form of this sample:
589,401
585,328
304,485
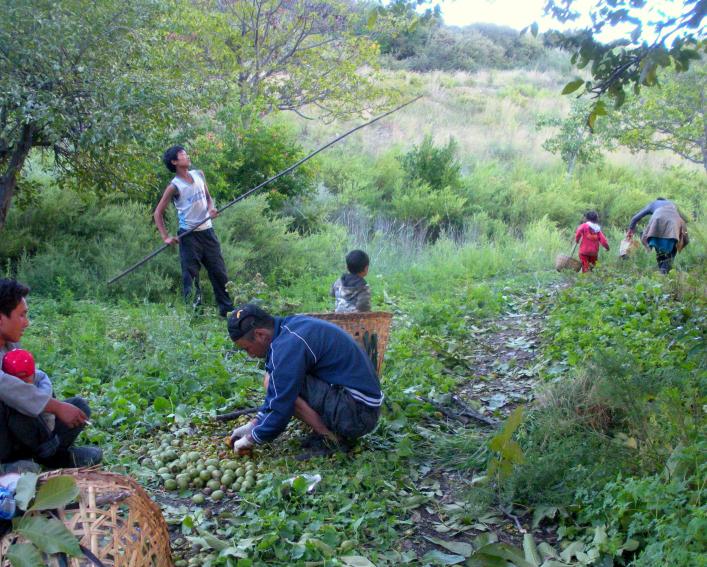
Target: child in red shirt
591,236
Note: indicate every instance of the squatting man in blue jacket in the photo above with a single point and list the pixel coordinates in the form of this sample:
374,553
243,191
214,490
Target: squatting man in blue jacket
315,372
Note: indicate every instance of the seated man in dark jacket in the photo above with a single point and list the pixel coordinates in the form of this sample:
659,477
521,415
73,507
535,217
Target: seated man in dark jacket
314,371
24,434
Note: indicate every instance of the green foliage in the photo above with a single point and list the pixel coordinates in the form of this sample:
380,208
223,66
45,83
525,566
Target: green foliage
436,166
89,82
618,437
672,117
666,517
575,141
506,451
634,61
237,158
291,56
46,535
433,47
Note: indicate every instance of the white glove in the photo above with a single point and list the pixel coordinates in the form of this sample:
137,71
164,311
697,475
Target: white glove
242,431
243,443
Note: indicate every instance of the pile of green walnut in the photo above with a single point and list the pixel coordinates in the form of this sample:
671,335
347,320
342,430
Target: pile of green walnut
184,469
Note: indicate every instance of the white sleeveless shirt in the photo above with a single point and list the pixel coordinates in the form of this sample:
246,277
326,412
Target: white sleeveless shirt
190,202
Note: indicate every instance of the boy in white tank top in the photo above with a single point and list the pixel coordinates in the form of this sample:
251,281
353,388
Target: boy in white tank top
195,209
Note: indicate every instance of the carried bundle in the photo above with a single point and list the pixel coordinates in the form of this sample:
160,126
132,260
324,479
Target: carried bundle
628,246
565,262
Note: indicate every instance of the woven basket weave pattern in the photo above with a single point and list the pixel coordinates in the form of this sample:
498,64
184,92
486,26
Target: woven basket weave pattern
116,520
564,262
362,326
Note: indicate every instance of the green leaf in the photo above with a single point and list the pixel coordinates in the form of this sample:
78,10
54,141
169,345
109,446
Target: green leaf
55,493
49,535
531,551
507,552
356,561
571,551
547,551
542,512
372,19
233,552
26,489
600,537
438,558
631,545
572,86
24,555
299,485
162,405
456,547
212,541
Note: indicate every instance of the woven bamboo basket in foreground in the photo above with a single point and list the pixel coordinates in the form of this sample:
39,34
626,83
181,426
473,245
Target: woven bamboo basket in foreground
370,329
115,519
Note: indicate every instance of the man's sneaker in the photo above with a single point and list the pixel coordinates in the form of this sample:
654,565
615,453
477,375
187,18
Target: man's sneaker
85,456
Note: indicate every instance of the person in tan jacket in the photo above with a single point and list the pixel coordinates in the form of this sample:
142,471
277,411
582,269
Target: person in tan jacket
666,232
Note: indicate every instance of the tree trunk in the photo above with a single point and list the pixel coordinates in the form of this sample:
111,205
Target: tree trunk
570,164
8,181
704,129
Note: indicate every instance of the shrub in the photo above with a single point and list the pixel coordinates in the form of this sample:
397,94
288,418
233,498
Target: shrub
436,166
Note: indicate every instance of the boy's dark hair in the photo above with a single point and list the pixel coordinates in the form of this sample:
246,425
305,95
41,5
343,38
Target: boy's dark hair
245,319
11,293
356,261
591,216
661,199
170,155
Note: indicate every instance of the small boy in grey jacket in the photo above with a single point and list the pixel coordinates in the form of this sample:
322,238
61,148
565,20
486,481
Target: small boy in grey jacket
351,291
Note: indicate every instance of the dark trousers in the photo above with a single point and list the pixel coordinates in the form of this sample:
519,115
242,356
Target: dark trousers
202,248
22,436
665,259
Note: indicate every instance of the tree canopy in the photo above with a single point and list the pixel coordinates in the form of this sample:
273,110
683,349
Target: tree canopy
88,81
296,54
672,117
633,61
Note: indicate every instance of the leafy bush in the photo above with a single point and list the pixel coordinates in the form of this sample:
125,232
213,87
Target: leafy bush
436,166
237,157
664,515
618,437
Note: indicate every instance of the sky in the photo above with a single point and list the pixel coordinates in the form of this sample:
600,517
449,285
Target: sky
514,13
520,13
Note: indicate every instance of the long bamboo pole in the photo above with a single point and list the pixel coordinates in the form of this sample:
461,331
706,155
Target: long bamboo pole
258,187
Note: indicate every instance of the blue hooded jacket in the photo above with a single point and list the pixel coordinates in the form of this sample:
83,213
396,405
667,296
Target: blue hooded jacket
304,345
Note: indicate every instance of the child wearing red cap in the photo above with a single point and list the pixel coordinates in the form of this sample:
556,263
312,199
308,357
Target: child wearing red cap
20,363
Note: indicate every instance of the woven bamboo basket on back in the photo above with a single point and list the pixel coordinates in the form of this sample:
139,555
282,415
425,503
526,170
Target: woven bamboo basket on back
369,329
115,519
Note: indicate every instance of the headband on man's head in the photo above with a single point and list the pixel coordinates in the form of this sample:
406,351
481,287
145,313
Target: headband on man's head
244,319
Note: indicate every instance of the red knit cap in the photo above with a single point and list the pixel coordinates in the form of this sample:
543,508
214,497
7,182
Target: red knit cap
19,363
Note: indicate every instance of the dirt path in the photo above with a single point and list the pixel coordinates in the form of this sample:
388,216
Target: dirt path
504,355
504,365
